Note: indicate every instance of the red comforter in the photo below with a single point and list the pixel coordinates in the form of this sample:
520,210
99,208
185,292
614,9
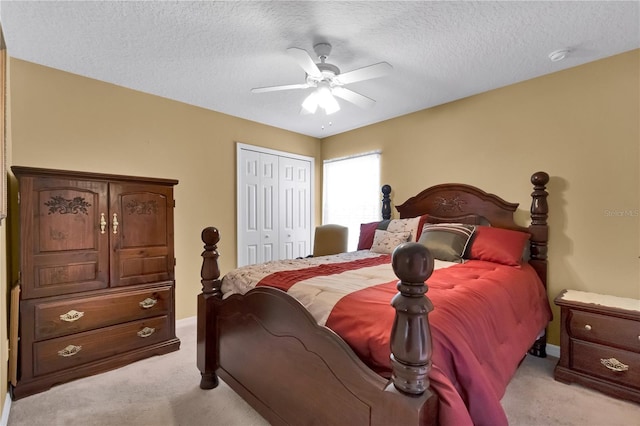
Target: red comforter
485,319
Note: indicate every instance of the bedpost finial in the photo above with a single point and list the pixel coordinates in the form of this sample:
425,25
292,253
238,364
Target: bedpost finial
210,236
539,178
412,262
386,202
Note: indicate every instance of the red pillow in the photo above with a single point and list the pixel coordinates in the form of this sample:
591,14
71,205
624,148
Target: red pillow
367,232
423,219
498,245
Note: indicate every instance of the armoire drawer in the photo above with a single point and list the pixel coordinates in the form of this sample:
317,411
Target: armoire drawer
73,315
71,351
619,332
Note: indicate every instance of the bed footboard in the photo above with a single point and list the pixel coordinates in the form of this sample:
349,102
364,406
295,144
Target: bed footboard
268,348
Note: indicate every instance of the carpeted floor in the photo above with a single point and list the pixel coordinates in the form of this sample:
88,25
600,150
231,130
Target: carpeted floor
164,390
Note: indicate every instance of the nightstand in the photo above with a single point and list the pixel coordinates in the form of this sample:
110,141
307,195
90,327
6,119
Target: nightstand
600,343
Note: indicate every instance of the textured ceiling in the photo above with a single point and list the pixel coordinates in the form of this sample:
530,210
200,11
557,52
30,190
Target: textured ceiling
211,53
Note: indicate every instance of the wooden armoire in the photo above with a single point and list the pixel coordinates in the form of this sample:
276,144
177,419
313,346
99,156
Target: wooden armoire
96,274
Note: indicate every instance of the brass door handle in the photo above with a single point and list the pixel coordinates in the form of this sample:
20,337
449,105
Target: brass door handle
115,223
103,223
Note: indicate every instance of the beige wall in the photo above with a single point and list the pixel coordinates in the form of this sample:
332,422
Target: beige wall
580,125
63,121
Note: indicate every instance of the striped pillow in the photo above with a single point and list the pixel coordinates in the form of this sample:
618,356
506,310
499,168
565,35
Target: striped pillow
446,241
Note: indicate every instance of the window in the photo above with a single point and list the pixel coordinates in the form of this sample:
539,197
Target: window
351,192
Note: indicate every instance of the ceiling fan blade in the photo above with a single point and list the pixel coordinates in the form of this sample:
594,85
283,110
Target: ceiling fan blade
353,97
304,60
372,71
276,88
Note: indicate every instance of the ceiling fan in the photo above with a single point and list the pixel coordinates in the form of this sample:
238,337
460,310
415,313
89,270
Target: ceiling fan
328,81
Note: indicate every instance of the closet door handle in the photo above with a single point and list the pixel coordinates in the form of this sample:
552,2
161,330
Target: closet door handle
115,223
103,223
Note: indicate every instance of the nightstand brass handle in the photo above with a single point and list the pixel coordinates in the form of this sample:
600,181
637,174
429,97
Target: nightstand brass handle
148,303
70,350
614,364
587,327
71,316
146,332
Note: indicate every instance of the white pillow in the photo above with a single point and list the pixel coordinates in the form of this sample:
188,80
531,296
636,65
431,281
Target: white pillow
405,225
385,241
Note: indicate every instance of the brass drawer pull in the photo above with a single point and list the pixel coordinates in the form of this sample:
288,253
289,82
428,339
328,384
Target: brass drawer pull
148,303
72,316
587,327
146,332
614,364
70,350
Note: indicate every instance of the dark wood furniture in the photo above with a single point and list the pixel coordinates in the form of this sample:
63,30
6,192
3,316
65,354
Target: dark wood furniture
271,351
96,274
599,346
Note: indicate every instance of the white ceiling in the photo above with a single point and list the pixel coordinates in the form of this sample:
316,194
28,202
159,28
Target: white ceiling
211,53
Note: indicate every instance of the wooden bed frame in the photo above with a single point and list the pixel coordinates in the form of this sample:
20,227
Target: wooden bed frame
270,350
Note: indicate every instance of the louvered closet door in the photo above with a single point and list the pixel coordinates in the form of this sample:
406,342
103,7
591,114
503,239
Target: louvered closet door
295,207
257,208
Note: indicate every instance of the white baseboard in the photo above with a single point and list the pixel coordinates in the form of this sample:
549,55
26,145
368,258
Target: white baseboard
4,420
553,350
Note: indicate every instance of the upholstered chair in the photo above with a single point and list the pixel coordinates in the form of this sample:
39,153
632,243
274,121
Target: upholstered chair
330,239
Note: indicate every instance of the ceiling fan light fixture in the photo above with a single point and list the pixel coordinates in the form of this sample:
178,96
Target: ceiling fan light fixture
327,101
323,98
310,104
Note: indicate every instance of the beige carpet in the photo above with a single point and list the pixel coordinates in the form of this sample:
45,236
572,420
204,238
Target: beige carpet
164,391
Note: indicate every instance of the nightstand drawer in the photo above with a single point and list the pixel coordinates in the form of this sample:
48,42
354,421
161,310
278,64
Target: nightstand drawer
591,358
72,351
605,329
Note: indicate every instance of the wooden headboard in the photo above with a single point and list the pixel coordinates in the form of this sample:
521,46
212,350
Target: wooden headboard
455,202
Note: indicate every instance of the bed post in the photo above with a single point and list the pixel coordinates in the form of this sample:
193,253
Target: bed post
386,202
207,345
539,228
539,240
411,335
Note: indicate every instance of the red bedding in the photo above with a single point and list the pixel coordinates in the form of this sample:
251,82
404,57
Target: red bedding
486,317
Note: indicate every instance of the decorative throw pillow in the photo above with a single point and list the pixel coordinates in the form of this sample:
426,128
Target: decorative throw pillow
498,245
367,230
446,241
385,241
405,225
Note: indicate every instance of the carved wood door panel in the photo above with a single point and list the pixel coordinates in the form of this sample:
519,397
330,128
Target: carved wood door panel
66,249
141,218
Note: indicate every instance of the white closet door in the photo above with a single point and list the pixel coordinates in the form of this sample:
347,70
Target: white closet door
274,205
268,212
257,208
295,207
